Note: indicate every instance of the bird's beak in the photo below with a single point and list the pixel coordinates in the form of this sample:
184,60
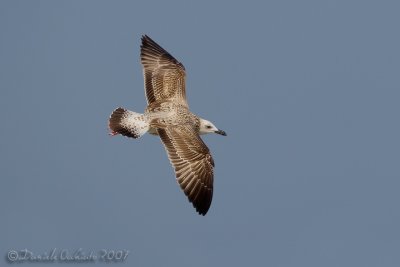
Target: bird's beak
220,132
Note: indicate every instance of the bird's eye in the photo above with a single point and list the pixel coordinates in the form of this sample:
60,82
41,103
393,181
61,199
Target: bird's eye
208,127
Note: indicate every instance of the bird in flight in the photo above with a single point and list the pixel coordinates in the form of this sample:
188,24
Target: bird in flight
168,116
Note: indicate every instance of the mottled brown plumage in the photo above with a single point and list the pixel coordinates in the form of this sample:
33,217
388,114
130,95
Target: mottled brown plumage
165,91
168,116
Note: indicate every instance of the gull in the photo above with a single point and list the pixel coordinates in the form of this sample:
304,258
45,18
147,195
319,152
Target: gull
168,116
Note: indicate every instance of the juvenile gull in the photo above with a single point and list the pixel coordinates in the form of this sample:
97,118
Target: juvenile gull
167,115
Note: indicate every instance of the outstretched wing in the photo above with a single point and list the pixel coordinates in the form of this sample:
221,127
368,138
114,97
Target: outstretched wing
164,76
192,162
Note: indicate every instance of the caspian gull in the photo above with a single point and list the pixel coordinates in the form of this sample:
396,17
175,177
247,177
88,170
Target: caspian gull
168,116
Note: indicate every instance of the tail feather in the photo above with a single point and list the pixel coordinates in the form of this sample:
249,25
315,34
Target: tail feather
127,123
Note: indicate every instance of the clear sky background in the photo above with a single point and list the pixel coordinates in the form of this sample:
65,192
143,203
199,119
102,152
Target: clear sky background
308,92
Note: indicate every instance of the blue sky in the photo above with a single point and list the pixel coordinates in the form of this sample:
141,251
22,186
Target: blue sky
308,92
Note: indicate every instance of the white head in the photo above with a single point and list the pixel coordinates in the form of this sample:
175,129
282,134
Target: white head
208,127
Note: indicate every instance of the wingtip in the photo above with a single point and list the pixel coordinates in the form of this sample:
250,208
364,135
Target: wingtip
150,44
151,49
202,212
146,40
144,37
203,204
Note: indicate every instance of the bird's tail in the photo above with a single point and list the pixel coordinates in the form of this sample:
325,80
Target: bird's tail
127,123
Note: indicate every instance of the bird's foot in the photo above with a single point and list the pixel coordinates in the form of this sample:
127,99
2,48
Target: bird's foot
113,133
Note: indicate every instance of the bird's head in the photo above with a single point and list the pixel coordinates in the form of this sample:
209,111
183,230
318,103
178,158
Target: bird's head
208,127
